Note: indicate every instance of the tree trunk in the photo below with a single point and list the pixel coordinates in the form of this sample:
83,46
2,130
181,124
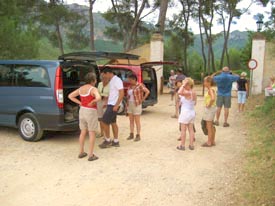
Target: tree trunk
92,33
224,44
202,43
162,14
226,40
134,26
211,42
59,37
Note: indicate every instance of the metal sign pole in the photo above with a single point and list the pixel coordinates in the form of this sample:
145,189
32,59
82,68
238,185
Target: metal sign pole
251,82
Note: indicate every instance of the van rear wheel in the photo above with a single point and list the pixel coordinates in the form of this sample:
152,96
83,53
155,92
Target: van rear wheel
29,128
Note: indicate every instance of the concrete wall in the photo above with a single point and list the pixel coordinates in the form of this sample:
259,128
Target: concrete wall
143,51
269,63
157,54
258,53
152,52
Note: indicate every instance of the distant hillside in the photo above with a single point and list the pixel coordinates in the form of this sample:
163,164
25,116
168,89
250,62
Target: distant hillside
102,43
236,40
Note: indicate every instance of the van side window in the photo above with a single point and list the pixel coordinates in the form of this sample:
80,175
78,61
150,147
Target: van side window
30,76
6,76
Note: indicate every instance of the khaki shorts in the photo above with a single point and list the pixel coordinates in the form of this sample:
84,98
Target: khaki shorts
209,113
133,109
88,119
100,109
224,101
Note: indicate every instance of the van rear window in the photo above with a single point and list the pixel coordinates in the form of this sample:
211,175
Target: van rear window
122,73
75,74
23,76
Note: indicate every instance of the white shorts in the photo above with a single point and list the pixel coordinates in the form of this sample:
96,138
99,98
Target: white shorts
187,117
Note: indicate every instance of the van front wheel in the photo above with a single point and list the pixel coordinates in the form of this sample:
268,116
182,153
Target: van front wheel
29,128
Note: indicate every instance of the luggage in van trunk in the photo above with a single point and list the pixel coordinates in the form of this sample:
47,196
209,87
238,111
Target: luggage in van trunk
73,78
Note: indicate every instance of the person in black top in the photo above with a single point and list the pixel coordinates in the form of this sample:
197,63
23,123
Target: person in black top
242,91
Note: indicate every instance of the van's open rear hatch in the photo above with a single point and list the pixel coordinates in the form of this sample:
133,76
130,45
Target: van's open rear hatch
74,68
95,56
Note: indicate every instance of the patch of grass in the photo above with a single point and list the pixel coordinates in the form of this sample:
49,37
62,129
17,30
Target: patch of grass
257,185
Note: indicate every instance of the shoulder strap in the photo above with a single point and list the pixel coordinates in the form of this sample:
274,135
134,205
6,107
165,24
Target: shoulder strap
89,91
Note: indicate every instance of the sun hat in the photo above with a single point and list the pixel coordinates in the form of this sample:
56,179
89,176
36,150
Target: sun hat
243,74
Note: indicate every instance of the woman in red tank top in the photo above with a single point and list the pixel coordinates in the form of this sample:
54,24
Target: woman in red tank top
89,97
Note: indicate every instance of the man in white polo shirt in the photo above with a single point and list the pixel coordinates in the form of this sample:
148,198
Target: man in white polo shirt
114,100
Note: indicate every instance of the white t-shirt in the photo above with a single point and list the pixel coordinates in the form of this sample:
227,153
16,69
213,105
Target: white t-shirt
115,84
131,95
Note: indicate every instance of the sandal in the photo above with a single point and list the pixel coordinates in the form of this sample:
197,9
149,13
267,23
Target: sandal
206,145
93,158
82,155
174,116
191,147
216,123
226,124
182,148
131,136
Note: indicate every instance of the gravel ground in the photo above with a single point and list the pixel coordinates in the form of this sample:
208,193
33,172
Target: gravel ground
150,172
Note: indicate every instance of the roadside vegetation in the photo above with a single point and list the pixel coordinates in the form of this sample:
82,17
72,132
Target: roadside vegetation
257,184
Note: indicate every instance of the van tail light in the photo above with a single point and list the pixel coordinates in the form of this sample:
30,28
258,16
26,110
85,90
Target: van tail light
140,78
58,88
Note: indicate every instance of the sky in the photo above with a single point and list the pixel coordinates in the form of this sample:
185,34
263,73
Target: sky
246,22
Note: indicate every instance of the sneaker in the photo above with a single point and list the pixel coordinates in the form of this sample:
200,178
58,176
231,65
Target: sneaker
131,136
115,144
137,138
105,144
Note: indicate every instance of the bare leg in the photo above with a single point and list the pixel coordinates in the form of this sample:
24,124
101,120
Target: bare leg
242,107
101,128
218,113
191,134
210,129
183,134
214,136
92,143
106,130
132,123
82,137
138,125
172,95
239,106
226,114
115,130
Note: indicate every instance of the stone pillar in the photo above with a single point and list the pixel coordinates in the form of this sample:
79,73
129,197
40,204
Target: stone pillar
258,53
156,54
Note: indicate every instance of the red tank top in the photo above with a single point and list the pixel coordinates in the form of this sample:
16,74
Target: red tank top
86,99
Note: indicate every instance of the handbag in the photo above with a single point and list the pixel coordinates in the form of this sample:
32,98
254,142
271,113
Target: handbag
203,127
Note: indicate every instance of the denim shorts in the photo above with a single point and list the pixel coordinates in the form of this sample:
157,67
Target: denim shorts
241,97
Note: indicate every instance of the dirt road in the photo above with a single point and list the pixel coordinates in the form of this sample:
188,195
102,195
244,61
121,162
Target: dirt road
150,172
